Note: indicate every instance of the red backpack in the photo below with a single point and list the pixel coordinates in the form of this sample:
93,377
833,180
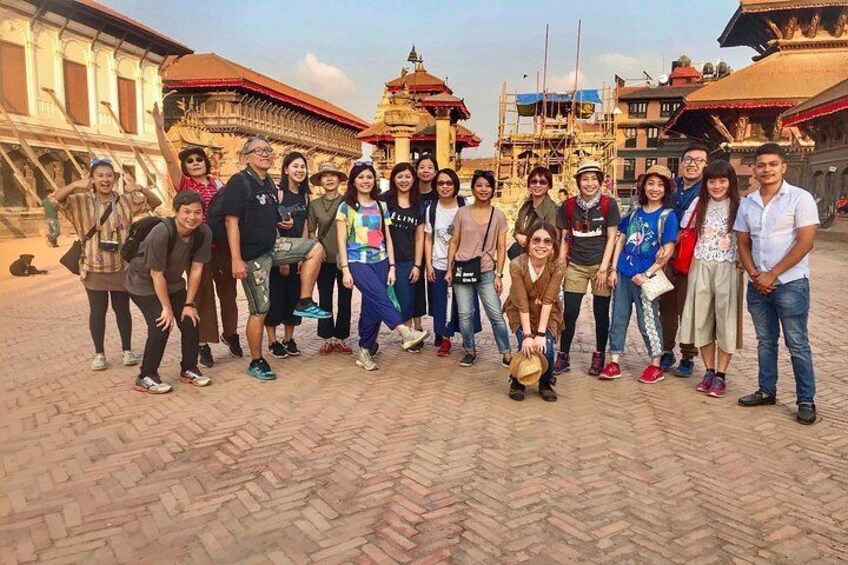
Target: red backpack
570,205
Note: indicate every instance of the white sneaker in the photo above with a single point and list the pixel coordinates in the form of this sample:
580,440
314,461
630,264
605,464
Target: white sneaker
363,359
129,359
153,385
411,338
195,377
99,362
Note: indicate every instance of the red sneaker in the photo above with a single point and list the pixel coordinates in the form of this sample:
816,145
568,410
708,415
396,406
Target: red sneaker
327,348
610,372
444,348
342,347
651,375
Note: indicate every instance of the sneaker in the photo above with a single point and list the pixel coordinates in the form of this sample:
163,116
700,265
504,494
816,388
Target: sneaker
717,388
547,392
195,377
444,348
706,382
278,350
374,350
311,310
806,413
291,347
411,338
129,359
467,359
610,372
205,356
99,362
516,389
416,348
651,375
562,363
234,345
363,359
342,347
327,348
667,360
684,369
504,361
437,341
260,369
152,384
598,360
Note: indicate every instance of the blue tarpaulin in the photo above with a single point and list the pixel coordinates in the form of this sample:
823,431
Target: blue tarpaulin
529,104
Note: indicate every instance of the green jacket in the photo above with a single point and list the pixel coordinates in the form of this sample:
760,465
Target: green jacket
528,215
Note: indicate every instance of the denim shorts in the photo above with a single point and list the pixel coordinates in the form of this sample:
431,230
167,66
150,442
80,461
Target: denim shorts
287,251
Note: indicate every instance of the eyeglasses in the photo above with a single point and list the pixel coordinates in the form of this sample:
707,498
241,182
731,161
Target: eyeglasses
262,151
541,241
444,183
694,161
364,164
103,161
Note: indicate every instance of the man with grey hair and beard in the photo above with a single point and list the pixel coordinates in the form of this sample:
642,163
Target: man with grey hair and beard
251,220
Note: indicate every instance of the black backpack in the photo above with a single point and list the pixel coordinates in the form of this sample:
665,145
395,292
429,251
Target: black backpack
215,215
431,209
140,229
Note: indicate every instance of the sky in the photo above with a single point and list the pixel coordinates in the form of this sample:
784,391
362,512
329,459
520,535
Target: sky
345,51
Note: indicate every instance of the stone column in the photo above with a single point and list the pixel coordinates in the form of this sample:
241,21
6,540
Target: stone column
443,144
402,120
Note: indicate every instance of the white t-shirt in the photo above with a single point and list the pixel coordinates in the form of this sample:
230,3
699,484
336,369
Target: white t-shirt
442,234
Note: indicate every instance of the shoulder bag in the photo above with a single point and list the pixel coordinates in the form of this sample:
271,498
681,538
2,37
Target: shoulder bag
73,256
468,272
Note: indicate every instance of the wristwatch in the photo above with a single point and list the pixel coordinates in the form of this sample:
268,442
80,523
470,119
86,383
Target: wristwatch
499,275
190,304
537,333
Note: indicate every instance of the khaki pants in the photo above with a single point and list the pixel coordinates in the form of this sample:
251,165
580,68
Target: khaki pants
671,308
217,277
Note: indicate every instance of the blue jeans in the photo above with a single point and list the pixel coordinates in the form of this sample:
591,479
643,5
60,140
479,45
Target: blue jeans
549,354
464,294
788,305
404,290
625,296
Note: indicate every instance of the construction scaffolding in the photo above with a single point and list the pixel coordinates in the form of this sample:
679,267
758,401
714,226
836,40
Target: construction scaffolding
556,130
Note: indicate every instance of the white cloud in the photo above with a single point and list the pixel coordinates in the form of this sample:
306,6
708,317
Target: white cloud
322,79
630,66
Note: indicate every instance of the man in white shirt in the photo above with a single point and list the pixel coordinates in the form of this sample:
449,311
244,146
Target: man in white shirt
776,229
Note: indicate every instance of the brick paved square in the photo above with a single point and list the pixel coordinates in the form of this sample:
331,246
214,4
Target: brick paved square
421,462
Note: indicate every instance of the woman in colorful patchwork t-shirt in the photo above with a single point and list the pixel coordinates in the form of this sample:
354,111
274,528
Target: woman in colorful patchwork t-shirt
366,258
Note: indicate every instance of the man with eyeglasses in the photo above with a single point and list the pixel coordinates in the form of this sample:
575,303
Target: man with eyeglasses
688,186
251,220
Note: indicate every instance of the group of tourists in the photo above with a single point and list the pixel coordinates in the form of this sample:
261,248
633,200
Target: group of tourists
677,257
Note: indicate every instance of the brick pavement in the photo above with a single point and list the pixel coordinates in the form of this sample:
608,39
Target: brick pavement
332,465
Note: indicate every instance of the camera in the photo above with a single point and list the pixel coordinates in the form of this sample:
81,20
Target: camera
110,245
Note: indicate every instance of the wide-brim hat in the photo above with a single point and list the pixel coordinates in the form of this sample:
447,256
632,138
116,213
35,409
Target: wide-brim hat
589,166
661,171
327,168
528,370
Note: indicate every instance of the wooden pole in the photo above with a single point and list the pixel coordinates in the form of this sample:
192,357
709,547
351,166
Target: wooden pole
30,154
19,176
57,102
138,154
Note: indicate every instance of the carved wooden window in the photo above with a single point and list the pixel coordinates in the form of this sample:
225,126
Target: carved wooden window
637,109
13,83
76,92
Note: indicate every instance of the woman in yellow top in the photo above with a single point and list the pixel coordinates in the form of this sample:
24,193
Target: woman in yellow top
89,203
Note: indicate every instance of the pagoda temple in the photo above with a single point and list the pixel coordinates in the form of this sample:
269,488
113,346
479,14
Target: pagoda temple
802,49
418,115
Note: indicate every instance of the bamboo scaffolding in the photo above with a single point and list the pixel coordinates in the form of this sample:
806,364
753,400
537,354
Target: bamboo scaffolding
28,151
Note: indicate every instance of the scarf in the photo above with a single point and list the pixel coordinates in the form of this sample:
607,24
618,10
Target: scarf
584,205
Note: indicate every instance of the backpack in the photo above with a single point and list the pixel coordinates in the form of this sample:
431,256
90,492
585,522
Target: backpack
431,210
215,214
140,229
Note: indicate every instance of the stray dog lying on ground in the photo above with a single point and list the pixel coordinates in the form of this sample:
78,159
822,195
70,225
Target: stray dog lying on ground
23,267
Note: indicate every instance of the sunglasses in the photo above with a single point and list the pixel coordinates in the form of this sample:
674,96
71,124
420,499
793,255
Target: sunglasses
194,159
543,182
364,164
103,161
444,183
541,241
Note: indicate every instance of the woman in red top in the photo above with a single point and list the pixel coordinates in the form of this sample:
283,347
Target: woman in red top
191,170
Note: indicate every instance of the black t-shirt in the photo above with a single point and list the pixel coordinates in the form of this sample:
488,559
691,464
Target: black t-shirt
589,232
405,221
255,203
297,205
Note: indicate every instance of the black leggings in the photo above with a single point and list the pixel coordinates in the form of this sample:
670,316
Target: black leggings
601,308
98,303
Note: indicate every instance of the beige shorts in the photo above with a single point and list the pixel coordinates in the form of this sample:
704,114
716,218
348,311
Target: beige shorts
579,277
711,312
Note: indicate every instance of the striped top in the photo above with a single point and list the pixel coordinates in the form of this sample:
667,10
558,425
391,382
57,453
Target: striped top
83,211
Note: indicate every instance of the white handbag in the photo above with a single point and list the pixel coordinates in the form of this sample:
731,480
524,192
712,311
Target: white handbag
656,286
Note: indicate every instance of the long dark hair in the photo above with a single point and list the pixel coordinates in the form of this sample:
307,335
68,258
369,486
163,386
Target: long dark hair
351,196
719,169
668,193
552,231
290,158
453,176
392,193
432,159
